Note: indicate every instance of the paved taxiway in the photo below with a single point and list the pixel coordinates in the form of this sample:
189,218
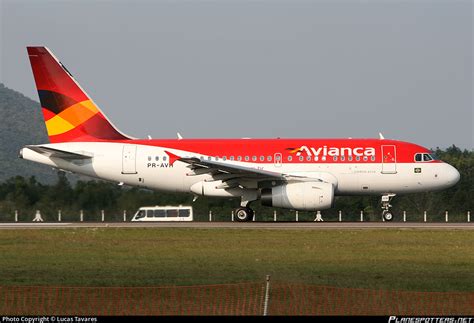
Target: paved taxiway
240,225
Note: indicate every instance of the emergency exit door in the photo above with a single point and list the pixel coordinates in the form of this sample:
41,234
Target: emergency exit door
129,163
277,159
389,159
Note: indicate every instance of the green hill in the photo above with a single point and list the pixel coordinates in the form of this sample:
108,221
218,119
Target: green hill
22,124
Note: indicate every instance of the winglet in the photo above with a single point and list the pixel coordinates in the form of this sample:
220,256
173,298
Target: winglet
381,137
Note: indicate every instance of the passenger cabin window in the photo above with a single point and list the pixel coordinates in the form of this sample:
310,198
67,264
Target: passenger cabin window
184,213
159,213
172,213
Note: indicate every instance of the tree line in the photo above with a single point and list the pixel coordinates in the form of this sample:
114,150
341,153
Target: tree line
26,195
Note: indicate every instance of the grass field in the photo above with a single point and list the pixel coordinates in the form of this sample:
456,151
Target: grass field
419,260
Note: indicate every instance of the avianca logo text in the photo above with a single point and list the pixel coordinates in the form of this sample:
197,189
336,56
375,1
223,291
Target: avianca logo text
334,151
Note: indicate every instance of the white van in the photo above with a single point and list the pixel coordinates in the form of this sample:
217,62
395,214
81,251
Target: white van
164,213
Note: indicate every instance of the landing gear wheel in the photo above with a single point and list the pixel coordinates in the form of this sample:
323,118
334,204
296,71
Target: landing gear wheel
386,213
244,214
387,216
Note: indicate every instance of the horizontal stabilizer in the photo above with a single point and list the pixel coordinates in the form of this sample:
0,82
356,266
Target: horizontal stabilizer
53,152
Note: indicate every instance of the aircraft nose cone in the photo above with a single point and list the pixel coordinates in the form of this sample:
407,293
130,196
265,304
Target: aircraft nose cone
452,175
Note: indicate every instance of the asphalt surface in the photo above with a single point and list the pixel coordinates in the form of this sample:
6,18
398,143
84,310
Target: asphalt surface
240,225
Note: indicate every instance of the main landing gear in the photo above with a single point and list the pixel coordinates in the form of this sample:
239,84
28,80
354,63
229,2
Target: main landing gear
386,213
244,214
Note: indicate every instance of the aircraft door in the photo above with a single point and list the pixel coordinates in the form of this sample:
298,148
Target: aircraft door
277,160
129,162
389,159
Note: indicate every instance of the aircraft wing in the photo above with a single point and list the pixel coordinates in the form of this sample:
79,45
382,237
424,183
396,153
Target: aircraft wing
237,175
231,169
53,152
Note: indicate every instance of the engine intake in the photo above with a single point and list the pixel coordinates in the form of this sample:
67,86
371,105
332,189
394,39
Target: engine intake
301,196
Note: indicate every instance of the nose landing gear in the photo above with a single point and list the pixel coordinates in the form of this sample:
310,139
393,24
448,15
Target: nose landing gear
386,213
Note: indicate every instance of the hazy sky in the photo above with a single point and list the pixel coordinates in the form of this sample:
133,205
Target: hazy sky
259,68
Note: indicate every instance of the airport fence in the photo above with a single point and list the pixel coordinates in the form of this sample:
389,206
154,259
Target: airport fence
255,298
220,216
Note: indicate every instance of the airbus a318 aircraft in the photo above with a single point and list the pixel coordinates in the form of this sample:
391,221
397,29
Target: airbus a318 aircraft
296,174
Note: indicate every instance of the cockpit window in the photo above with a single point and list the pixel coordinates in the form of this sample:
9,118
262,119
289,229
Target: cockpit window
427,157
433,155
423,157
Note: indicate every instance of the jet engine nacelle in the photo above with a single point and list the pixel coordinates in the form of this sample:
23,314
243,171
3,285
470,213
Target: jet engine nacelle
302,196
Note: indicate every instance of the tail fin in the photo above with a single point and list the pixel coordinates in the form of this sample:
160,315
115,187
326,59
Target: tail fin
69,113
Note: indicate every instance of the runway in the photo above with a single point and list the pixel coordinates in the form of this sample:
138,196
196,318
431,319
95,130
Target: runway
240,225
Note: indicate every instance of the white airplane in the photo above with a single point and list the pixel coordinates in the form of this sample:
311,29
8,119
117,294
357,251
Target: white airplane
297,174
